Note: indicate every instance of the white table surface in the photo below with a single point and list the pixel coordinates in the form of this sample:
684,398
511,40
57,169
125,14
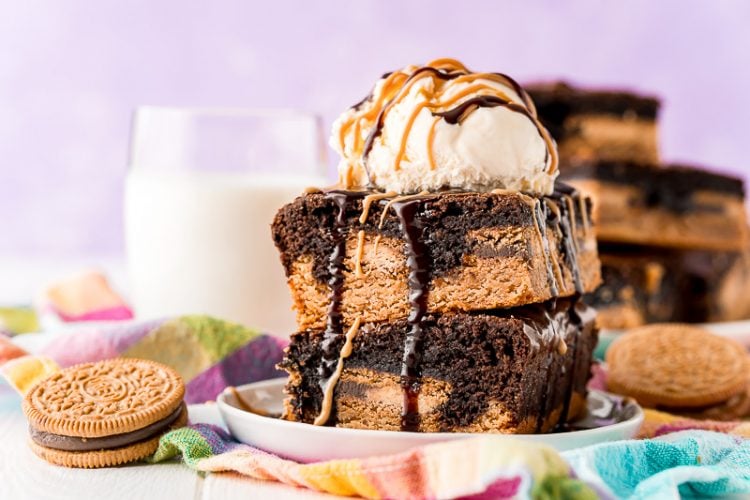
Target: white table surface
23,475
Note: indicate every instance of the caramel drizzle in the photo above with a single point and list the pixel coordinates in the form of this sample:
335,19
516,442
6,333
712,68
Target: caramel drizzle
556,263
385,212
346,351
334,314
448,63
398,199
360,252
398,84
573,225
390,87
366,204
368,201
330,359
434,108
584,214
430,141
245,406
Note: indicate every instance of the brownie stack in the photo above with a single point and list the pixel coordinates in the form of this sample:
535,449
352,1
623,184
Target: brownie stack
450,311
672,238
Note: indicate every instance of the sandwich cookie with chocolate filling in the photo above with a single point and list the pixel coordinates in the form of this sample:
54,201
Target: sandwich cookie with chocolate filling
104,414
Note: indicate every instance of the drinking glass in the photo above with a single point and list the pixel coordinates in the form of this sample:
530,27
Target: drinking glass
202,189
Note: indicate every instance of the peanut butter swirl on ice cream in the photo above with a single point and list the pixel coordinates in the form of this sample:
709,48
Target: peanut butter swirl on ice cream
442,126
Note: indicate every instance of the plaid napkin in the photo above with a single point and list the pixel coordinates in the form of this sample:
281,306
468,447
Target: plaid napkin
211,354
485,467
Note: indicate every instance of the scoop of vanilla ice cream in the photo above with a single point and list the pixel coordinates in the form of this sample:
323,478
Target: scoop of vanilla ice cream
416,150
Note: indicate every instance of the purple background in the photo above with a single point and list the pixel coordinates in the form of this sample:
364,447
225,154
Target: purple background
71,73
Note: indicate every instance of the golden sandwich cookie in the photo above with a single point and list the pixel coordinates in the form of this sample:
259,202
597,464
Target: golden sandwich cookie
104,414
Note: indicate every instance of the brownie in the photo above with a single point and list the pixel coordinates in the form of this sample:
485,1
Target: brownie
556,101
651,285
481,251
676,206
671,186
521,370
639,287
598,124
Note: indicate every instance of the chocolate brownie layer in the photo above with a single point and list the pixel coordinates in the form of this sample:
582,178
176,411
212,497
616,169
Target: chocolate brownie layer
674,206
557,100
647,285
671,186
517,371
598,124
481,251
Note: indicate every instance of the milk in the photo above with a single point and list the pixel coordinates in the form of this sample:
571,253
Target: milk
200,243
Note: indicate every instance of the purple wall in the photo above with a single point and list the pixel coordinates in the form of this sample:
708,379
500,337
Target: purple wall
71,72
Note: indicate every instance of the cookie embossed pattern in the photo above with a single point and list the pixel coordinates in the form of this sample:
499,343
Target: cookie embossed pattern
105,413
657,365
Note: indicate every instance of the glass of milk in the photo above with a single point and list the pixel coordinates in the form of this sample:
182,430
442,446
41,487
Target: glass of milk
201,192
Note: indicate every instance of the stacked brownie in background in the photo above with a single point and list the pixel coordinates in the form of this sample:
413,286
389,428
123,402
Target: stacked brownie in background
673,239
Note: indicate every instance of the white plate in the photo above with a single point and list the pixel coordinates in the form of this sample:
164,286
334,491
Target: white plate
308,443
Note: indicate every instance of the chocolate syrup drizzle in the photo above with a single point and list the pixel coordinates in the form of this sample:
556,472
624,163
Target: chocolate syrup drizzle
419,278
334,323
334,332
541,216
457,114
377,129
565,224
576,321
551,330
418,262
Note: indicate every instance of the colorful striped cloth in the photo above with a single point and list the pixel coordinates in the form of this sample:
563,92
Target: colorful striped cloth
485,467
86,296
211,354
489,467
